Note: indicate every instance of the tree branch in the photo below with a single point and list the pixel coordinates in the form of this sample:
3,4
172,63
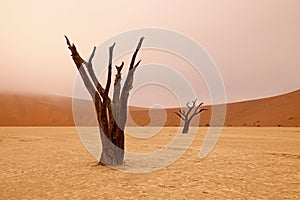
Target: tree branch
182,112
108,82
180,116
75,55
200,104
129,80
117,84
116,94
86,80
128,85
132,65
92,74
190,107
203,109
79,64
197,111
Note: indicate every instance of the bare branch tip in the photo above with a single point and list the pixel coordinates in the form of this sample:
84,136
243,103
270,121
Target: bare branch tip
112,46
137,64
119,68
67,40
120,65
140,42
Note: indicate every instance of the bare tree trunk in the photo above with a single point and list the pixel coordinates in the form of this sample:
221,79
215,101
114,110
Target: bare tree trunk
186,126
112,149
111,115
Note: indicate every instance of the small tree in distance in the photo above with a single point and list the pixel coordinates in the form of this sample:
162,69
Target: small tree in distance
189,115
111,113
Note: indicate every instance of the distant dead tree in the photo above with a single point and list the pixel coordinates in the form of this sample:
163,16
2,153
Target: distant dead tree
111,114
188,116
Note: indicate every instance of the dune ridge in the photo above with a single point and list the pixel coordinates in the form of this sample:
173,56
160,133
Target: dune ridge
42,110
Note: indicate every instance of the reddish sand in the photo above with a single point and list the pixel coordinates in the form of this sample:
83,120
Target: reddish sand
35,110
32,110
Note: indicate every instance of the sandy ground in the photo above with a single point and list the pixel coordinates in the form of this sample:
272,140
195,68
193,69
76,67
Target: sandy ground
247,163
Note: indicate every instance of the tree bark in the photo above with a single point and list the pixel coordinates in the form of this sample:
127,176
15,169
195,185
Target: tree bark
112,148
111,115
186,126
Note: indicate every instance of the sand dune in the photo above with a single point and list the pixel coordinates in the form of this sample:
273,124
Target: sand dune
282,110
31,110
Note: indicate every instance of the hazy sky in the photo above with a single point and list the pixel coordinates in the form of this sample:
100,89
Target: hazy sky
254,43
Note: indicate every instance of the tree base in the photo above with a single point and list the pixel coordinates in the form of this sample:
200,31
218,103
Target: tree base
186,128
112,149
111,158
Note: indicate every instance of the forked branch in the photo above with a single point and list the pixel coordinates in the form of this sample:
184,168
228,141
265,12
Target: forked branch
182,116
108,81
117,84
187,116
92,74
79,62
132,63
129,80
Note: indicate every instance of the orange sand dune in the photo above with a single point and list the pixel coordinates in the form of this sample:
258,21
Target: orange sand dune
283,110
39,110
35,110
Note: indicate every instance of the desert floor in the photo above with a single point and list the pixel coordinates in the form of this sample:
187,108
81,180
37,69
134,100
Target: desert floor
246,163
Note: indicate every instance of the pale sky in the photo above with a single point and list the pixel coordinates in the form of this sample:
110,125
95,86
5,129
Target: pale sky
254,43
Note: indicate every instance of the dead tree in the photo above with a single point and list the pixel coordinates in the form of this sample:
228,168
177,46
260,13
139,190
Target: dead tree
111,114
188,116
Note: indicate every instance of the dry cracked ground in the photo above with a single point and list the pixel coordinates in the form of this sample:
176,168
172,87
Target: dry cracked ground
246,163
